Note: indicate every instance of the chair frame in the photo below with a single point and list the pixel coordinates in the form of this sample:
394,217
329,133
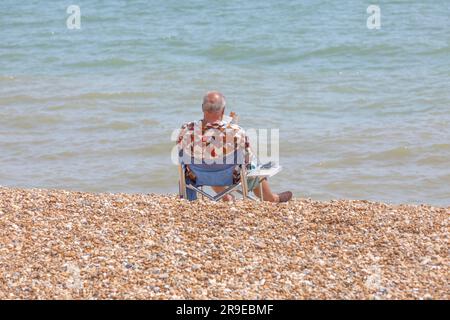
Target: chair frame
235,187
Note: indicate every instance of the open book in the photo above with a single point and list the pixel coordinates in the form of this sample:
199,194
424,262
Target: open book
266,170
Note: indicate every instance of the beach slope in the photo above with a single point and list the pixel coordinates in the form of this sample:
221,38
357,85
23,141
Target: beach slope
57,244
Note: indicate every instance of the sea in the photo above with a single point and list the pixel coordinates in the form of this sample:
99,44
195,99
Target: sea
92,91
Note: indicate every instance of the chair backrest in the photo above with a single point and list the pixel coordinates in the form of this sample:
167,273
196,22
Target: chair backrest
213,174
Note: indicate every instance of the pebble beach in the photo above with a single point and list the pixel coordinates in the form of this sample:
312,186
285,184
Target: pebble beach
57,244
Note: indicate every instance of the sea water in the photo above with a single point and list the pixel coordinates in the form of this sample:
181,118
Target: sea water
362,113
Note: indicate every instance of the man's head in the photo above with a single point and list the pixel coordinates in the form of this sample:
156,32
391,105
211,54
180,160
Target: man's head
213,106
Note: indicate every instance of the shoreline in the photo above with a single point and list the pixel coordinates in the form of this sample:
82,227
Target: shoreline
57,244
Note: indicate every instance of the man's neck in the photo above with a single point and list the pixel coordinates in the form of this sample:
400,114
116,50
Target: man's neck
211,118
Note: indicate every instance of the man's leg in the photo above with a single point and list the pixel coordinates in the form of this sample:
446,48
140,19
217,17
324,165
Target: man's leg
227,197
267,193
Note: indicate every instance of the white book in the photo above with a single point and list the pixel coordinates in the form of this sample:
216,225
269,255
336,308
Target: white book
261,172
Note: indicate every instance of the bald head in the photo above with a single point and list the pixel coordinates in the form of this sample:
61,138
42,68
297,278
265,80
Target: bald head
213,102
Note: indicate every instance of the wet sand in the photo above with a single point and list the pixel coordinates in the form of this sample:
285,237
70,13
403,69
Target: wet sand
57,244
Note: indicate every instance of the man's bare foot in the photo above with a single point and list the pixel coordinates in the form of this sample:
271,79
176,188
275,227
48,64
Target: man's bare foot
228,197
285,196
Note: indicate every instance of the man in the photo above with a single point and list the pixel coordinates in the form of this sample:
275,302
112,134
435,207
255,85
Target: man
212,139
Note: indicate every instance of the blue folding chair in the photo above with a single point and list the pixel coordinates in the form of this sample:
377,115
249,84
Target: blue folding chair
211,175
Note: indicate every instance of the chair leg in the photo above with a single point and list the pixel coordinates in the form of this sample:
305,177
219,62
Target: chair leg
244,182
229,190
261,190
198,190
182,184
249,196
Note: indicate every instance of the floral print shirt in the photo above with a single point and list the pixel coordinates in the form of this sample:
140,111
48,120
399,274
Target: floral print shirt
219,142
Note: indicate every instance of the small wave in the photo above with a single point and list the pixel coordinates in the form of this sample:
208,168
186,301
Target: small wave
129,109
20,99
27,99
112,62
152,150
434,160
351,50
399,153
440,147
149,122
33,120
126,43
436,155
59,155
230,52
112,95
116,125
287,55
339,163
7,78
346,89
12,56
357,159
439,51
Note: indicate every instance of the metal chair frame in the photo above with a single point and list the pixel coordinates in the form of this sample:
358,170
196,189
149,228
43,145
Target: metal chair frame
240,187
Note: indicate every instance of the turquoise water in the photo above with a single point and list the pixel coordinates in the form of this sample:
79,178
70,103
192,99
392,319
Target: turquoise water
362,114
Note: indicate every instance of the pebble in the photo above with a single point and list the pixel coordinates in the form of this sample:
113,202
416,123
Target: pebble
195,267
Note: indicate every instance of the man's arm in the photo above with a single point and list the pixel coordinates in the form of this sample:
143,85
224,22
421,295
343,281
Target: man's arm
244,144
